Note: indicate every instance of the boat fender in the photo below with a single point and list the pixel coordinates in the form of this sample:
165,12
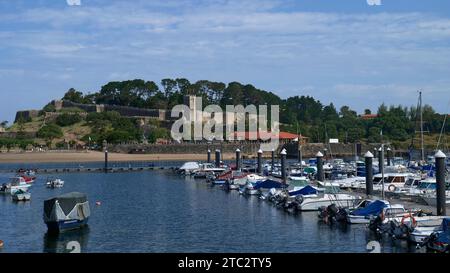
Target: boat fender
392,188
382,216
413,220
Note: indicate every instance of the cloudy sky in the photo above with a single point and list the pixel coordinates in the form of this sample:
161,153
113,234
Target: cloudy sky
341,51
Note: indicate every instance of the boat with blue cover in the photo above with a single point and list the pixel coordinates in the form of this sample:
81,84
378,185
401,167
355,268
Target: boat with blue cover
440,241
364,214
255,188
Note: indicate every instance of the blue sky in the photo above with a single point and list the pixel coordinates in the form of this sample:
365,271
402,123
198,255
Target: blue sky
341,51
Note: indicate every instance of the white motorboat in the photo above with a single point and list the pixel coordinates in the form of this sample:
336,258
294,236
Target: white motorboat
20,195
392,181
349,182
431,200
324,200
389,211
208,168
364,212
255,178
424,227
188,167
55,183
15,184
426,186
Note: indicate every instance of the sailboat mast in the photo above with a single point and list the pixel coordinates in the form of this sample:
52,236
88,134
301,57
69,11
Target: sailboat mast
421,127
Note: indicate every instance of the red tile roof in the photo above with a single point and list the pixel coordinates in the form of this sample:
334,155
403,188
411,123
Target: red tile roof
369,116
266,135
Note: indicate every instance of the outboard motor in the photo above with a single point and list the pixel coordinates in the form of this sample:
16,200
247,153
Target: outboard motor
323,213
399,231
341,215
332,210
375,223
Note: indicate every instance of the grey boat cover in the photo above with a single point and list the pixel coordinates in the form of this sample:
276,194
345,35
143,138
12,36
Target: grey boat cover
68,206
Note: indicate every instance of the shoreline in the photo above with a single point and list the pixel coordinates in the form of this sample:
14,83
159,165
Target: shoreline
93,156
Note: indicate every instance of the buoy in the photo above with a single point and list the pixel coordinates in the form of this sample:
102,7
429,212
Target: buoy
98,203
1,244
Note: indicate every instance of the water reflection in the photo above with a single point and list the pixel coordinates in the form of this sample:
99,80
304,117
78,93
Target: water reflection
57,242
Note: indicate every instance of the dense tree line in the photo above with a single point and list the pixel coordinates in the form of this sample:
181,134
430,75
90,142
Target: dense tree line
302,114
112,127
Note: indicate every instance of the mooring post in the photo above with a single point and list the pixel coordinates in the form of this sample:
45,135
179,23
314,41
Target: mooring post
440,183
320,173
217,158
238,159
283,165
105,148
380,160
260,152
300,156
208,158
273,160
388,156
106,161
369,173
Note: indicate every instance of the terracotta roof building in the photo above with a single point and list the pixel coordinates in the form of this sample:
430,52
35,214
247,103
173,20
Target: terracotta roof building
265,136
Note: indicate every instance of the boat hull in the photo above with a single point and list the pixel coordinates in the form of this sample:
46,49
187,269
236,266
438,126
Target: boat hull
313,204
64,225
352,219
21,197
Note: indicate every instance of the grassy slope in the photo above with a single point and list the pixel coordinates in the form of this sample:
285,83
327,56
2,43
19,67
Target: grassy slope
74,132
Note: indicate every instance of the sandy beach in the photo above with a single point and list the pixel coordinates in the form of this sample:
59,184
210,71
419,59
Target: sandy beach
91,156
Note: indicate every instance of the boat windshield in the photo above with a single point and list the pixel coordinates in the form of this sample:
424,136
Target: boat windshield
377,180
298,183
427,185
394,211
412,182
331,189
396,179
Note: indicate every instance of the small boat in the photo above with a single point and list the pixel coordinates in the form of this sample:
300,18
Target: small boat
188,167
423,228
307,190
67,211
413,225
232,179
363,215
255,188
431,200
21,195
205,169
323,200
54,183
15,184
392,181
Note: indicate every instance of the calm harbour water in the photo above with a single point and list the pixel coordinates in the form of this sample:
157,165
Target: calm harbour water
159,211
